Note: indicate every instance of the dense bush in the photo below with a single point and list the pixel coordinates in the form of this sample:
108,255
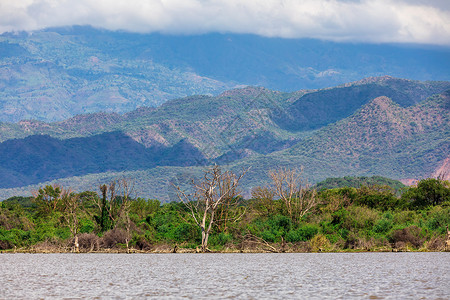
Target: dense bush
113,237
221,239
380,197
428,192
412,236
303,233
185,232
88,241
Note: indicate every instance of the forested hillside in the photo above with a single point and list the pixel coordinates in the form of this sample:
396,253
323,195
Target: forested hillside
404,137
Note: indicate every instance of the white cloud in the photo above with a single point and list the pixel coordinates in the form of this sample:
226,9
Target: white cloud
413,21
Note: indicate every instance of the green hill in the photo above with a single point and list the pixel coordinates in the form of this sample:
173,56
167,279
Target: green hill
357,182
238,129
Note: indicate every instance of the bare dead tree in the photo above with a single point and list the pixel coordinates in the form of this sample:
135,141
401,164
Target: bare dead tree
255,240
264,200
290,186
71,204
229,211
209,195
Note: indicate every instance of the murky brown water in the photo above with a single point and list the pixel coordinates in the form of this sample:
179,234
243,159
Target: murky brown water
219,276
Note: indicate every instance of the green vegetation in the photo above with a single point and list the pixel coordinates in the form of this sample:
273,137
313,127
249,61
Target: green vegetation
288,219
356,182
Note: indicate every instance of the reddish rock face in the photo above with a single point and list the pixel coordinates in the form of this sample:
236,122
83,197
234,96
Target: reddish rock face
443,170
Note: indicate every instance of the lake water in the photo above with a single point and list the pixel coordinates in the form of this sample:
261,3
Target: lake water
221,276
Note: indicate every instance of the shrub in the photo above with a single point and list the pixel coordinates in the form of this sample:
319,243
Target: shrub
339,217
362,217
185,232
43,232
358,242
221,239
383,226
411,235
303,233
428,192
86,226
280,223
113,237
438,218
356,217
406,217
320,243
88,241
436,244
63,233
272,229
5,245
376,196
11,238
141,242
336,199
268,236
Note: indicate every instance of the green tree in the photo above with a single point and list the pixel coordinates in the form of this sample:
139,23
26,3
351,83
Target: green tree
47,199
428,192
103,220
378,196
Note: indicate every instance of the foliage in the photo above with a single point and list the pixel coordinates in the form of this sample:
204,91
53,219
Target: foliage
345,219
381,197
320,243
409,236
303,233
428,192
48,199
356,182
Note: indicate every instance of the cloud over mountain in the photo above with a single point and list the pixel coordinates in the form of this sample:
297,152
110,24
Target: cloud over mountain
410,21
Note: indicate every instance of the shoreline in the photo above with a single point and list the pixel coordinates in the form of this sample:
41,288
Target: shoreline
165,250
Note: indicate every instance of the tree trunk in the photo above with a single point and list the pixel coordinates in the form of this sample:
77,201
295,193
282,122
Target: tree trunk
76,245
205,236
205,243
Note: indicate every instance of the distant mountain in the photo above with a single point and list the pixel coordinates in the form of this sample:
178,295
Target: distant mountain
54,74
381,138
40,158
314,110
406,138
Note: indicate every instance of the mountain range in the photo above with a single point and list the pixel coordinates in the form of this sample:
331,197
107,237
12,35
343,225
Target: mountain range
57,73
385,126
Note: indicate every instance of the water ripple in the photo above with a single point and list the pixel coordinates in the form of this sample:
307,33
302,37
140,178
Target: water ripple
225,276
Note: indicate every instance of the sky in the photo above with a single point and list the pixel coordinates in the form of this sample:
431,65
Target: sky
373,21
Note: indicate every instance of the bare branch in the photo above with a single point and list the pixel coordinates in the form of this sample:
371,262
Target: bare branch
294,191
210,195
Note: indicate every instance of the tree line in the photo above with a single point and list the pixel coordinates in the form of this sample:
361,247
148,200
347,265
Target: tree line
286,215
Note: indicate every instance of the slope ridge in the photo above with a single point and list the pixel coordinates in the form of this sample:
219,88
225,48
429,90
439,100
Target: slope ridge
316,109
385,139
237,128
